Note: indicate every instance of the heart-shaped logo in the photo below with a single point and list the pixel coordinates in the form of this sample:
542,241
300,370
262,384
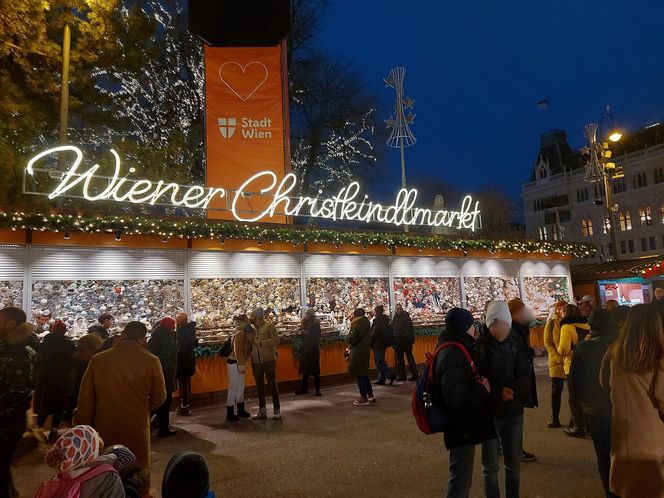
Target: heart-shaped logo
245,80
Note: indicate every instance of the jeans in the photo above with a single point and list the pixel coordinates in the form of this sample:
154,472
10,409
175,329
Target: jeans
384,370
557,386
9,439
406,351
184,385
600,431
235,393
510,435
164,413
462,461
262,371
364,384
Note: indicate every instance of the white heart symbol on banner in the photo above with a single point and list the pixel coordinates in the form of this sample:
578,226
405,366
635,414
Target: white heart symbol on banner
243,69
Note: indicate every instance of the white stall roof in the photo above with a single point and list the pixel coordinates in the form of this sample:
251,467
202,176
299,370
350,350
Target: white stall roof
216,264
341,265
424,267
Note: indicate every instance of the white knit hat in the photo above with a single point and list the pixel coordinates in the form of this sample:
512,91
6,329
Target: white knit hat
498,311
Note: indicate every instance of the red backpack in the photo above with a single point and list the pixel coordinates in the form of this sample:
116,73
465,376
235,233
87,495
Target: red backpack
431,415
62,487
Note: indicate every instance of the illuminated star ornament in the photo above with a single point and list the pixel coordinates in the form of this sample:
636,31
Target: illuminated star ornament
401,135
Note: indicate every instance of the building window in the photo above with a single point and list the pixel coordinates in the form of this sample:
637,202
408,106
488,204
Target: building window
644,244
625,221
645,216
555,232
630,243
623,247
542,233
659,175
653,243
587,227
639,180
619,185
607,225
582,195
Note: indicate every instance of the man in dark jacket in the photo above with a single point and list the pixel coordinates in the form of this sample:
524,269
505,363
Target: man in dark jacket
162,344
16,377
502,360
465,398
186,367
521,318
585,387
404,338
381,339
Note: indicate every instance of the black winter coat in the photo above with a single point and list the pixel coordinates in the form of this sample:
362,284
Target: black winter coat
523,333
52,374
403,330
16,383
584,375
187,342
381,333
505,365
463,396
162,344
310,349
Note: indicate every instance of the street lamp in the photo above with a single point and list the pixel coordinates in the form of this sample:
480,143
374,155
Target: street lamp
599,168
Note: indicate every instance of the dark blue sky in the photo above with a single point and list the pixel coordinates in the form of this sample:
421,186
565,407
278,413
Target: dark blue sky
477,68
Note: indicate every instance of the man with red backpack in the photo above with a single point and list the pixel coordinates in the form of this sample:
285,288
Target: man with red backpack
465,397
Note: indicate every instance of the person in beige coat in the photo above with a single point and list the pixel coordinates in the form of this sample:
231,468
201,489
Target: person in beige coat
120,388
237,366
264,362
634,371
556,362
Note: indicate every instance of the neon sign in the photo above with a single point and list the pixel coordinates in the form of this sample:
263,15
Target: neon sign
347,204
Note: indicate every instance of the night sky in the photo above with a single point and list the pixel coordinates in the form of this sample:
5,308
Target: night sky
476,70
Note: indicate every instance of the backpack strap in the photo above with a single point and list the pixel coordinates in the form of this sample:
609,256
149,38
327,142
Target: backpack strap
93,472
460,347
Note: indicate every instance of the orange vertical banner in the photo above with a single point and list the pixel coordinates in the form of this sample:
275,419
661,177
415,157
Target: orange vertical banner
246,120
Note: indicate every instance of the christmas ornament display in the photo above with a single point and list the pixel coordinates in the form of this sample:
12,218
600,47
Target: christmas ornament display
540,293
11,293
427,299
481,290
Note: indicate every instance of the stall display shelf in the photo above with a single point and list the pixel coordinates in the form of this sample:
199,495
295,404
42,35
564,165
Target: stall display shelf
540,293
427,299
80,302
11,293
481,290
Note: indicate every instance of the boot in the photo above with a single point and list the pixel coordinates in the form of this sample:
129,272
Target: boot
230,414
241,412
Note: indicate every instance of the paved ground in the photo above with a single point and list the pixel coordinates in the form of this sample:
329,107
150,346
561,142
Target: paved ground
326,447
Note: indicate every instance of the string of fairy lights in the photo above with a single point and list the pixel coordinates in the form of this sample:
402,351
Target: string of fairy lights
222,230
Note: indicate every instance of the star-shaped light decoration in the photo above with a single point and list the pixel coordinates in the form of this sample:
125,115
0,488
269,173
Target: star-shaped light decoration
390,122
389,81
410,118
585,150
408,103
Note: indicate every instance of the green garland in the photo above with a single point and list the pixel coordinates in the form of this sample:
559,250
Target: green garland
205,229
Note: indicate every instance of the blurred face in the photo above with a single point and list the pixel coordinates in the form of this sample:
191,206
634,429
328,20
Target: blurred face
398,309
6,325
471,331
499,330
559,311
181,319
108,323
43,320
522,316
585,308
659,293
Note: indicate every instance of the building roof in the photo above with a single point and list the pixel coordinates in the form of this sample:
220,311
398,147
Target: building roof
640,139
608,270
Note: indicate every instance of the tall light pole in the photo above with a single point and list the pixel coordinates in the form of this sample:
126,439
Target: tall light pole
600,169
400,136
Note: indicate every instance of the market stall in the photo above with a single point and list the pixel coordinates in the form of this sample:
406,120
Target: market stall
78,278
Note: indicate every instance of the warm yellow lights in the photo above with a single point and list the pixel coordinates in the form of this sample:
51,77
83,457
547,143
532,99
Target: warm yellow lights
615,136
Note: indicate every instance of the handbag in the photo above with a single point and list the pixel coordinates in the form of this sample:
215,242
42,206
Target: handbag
651,392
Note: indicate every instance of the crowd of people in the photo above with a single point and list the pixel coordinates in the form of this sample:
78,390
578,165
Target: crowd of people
610,358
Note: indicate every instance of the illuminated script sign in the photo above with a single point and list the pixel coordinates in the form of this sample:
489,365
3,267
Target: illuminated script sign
348,204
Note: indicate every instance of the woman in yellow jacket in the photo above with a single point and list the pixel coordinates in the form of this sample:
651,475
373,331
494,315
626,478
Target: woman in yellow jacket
556,362
573,329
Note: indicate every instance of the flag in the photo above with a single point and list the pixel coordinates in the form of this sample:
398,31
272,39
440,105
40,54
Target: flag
543,105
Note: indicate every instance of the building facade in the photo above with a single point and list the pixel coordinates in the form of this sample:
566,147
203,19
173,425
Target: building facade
560,205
